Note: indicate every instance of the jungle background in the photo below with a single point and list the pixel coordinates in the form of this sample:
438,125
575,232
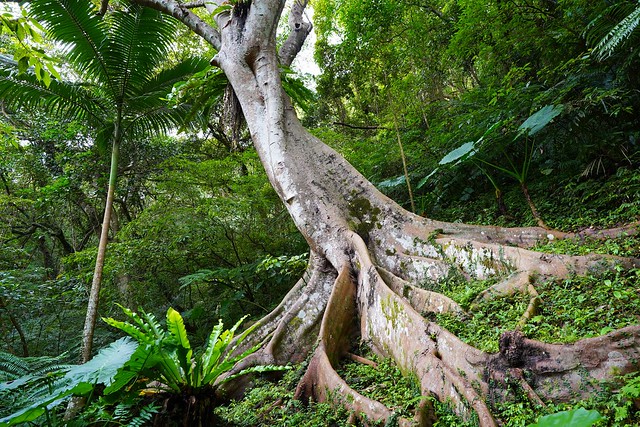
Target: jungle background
426,98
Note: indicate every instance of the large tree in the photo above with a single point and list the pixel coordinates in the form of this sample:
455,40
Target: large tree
368,254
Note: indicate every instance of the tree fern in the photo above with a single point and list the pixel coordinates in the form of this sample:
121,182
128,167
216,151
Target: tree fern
115,58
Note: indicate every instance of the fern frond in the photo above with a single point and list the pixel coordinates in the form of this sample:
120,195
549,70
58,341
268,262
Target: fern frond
47,391
12,366
618,34
256,369
146,415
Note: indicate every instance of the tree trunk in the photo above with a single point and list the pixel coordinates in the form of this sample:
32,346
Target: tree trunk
368,254
94,294
17,327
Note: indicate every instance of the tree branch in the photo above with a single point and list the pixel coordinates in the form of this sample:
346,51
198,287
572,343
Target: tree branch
299,30
104,5
182,13
360,127
193,4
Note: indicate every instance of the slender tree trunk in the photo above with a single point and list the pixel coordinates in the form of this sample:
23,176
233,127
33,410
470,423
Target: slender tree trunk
404,162
532,206
94,295
17,327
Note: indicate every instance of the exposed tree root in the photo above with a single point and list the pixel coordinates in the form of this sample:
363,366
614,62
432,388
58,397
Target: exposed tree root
421,300
625,230
519,282
386,310
362,360
321,381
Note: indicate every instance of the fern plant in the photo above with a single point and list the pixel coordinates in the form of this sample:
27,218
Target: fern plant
165,366
37,394
157,363
166,358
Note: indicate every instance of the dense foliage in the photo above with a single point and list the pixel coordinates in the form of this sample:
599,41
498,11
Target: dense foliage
498,106
450,71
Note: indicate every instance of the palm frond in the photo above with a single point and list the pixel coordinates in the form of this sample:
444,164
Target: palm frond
139,39
606,38
61,98
12,366
153,120
299,93
75,25
201,92
619,33
149,112
161,83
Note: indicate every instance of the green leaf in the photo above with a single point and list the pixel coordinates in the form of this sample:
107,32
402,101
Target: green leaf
538,120
78,380
392,182
103,367
178,334
128,328
212,352
463,152
424,180
175,325
141,359
575,418
23,64
258,369
221,9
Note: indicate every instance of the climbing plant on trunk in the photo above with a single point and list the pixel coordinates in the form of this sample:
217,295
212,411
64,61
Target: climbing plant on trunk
368,255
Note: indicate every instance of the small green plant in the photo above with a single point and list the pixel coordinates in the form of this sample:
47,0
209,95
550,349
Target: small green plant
519,171
487,322
166,356
37,395
585,306
270,404
384,383
574,418
158,363
626,403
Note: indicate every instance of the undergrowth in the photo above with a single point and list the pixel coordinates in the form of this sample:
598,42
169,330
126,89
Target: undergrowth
384,383
269,404
569,204
586,306
625,246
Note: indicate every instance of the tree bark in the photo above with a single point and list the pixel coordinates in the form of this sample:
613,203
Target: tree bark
368,255
96,283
